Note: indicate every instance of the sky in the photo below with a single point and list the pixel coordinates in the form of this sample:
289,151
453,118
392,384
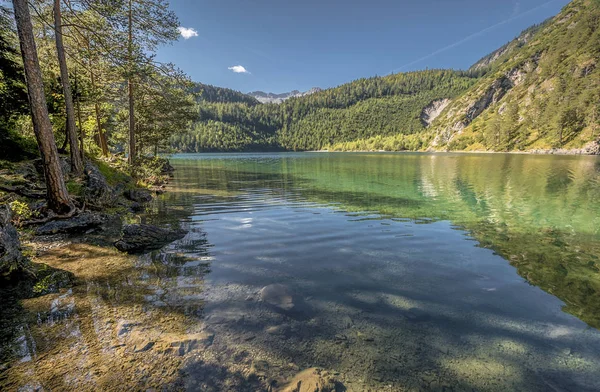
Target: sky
282,45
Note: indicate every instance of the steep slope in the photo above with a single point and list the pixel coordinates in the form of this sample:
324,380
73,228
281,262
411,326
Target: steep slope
543,93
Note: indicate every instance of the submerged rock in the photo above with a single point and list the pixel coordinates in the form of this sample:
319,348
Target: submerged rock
97,191
277,295
140,238
180,346
77,225
51,280
312,380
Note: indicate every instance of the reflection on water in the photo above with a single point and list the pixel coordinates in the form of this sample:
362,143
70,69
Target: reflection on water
396,271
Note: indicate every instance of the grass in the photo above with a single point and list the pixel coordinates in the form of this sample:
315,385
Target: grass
75,188
113,175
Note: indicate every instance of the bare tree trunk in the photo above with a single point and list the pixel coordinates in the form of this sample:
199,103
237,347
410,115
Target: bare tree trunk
100,136
76,162
81,131
132,150
58,197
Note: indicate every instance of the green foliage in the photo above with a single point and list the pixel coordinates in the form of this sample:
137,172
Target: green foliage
21,211
13,96
75,188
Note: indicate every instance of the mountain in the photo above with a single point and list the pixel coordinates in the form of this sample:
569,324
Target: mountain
539,92
542,94
279,98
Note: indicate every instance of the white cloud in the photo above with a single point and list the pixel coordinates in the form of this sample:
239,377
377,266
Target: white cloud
187,33
238,69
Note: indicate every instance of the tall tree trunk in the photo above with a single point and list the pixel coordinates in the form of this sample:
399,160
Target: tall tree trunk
76,161
100,136
58,197
81,131
132,150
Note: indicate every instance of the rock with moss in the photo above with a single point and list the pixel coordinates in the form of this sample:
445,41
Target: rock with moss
98,193
11,257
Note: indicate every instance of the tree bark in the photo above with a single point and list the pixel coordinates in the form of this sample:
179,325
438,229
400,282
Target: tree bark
81,131
56,190
132,150
100,136
76,161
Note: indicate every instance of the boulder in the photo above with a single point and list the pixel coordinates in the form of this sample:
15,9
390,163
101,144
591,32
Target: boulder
97,191
79,224
277,295
138,195
11,257
140,238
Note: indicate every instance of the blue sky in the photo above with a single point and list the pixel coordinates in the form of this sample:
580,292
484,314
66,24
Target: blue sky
295,45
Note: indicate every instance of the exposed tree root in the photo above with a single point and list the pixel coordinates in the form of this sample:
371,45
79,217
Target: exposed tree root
52,216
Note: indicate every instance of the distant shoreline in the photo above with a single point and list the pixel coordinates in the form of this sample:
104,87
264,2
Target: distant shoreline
564,152
571,152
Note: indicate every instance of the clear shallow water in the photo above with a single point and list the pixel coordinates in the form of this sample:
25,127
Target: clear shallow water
406,271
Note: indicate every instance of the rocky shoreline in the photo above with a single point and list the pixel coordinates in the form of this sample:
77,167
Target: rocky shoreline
592,148
22,218
95,271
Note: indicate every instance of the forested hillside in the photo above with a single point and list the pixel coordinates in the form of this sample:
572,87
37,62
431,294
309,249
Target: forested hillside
540,91
375,106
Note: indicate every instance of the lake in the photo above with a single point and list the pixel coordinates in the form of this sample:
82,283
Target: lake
389,271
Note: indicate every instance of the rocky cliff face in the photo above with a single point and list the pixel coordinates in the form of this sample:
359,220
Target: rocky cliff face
433,110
